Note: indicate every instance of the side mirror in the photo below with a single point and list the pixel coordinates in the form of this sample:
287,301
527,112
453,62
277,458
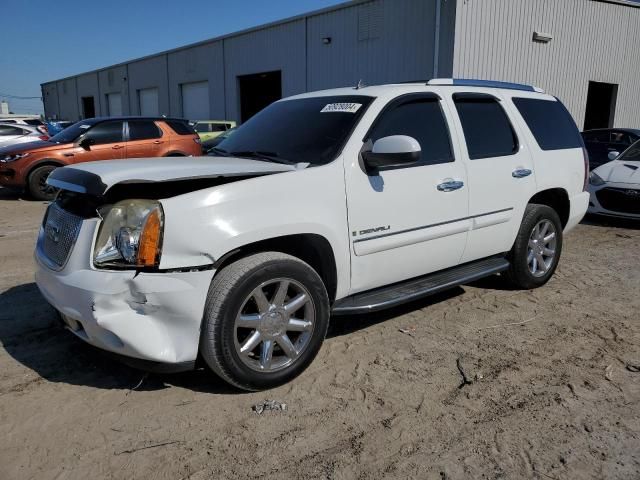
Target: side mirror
86,143
613,155
393,151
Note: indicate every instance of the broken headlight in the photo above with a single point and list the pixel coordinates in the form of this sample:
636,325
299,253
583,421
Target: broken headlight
130,234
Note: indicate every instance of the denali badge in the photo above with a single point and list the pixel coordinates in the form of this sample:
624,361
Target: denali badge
52,231
371,230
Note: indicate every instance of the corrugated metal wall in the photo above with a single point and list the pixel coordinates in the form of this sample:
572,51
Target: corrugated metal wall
592,40
378,41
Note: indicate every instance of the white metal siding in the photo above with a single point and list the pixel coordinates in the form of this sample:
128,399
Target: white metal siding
195,101
592,40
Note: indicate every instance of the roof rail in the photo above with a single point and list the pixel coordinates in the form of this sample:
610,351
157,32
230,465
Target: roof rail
472,82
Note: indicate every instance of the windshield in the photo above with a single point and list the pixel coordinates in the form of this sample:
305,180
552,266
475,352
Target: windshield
307,130
70,134
632,153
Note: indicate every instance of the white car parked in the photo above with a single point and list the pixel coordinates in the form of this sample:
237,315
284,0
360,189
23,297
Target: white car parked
334,202
615,186
11,134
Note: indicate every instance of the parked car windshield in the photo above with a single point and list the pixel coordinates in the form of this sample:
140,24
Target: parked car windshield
70,134
307,130
632,153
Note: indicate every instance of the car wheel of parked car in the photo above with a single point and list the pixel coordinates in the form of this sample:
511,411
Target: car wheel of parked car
37,185
536,251
265,319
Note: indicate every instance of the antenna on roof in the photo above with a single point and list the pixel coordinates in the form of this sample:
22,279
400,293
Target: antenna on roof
360,85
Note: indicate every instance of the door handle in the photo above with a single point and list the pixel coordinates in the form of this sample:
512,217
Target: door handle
116,147
521,173
157,142
450,186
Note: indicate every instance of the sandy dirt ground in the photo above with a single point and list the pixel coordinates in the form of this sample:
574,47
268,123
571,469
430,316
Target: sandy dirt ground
553,392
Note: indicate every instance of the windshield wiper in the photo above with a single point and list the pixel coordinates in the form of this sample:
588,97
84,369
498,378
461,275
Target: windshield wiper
260,155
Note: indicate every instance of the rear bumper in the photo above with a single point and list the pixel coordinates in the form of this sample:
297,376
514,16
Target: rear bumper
577,210
154,317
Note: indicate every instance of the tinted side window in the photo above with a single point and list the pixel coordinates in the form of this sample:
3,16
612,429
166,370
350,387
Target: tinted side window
181,127
202,127
423,120
621,138
486,127
552,125
107,132
143,130
34,122
5,130
218,127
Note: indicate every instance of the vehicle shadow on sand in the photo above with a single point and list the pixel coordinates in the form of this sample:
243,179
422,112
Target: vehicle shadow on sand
611,222
31,333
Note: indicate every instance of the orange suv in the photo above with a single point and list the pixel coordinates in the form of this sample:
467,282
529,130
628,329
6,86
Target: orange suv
27,165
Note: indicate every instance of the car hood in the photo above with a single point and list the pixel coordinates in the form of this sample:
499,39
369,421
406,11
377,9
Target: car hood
619,171
95,178
39,146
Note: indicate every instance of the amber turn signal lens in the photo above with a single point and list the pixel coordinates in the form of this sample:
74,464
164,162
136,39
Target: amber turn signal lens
149,248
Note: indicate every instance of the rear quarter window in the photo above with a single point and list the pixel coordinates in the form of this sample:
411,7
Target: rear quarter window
181,127
550,123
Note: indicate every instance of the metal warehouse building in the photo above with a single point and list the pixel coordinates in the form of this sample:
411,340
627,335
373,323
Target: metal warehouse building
584,51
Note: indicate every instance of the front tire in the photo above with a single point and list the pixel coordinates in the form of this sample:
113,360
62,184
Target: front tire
265,319
536,251
37,184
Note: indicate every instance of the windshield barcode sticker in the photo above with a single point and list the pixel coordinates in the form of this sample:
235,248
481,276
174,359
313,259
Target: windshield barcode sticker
341,107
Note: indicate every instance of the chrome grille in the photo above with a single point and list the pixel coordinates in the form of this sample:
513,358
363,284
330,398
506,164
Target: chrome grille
61,229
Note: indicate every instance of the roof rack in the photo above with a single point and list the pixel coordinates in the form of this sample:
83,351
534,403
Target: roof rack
472,82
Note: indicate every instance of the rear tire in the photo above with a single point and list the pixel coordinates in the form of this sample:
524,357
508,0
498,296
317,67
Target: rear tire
265,319
37,186
536,251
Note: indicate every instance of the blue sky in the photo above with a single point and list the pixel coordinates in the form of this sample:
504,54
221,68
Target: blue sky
45,40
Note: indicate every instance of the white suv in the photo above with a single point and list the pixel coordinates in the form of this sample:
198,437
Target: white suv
334,202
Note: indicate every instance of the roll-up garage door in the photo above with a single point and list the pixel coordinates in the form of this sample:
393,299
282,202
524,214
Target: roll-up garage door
148,98
195,101
114,101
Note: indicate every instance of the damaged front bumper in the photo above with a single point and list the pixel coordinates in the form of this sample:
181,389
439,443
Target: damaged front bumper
154,317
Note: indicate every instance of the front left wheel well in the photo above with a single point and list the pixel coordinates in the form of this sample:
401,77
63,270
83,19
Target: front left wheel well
313,249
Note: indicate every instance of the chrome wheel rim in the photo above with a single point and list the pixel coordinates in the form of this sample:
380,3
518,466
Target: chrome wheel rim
274,325
541,252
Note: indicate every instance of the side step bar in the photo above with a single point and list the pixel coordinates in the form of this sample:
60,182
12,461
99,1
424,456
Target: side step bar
403,292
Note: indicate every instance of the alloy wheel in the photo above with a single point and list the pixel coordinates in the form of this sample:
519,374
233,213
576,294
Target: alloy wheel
274,325
541,251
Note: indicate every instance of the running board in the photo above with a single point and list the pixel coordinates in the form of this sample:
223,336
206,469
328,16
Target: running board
403,292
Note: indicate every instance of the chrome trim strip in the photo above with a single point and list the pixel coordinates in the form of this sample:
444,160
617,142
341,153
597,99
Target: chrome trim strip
408,230
72,187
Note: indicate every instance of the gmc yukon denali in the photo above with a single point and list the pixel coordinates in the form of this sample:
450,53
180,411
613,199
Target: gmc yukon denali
337,202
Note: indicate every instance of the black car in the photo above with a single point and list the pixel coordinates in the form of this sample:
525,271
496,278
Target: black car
601,142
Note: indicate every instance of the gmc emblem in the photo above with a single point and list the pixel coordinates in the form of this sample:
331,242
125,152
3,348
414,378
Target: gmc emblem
52,231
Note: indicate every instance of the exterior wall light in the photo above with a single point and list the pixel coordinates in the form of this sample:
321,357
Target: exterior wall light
326,40
542,37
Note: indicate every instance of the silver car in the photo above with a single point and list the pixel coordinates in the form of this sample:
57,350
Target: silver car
11,134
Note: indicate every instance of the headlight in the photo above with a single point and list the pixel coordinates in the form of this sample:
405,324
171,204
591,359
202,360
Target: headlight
595,180
14,157
130,234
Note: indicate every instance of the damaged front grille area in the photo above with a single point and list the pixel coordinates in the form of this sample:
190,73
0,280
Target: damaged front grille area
60,232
